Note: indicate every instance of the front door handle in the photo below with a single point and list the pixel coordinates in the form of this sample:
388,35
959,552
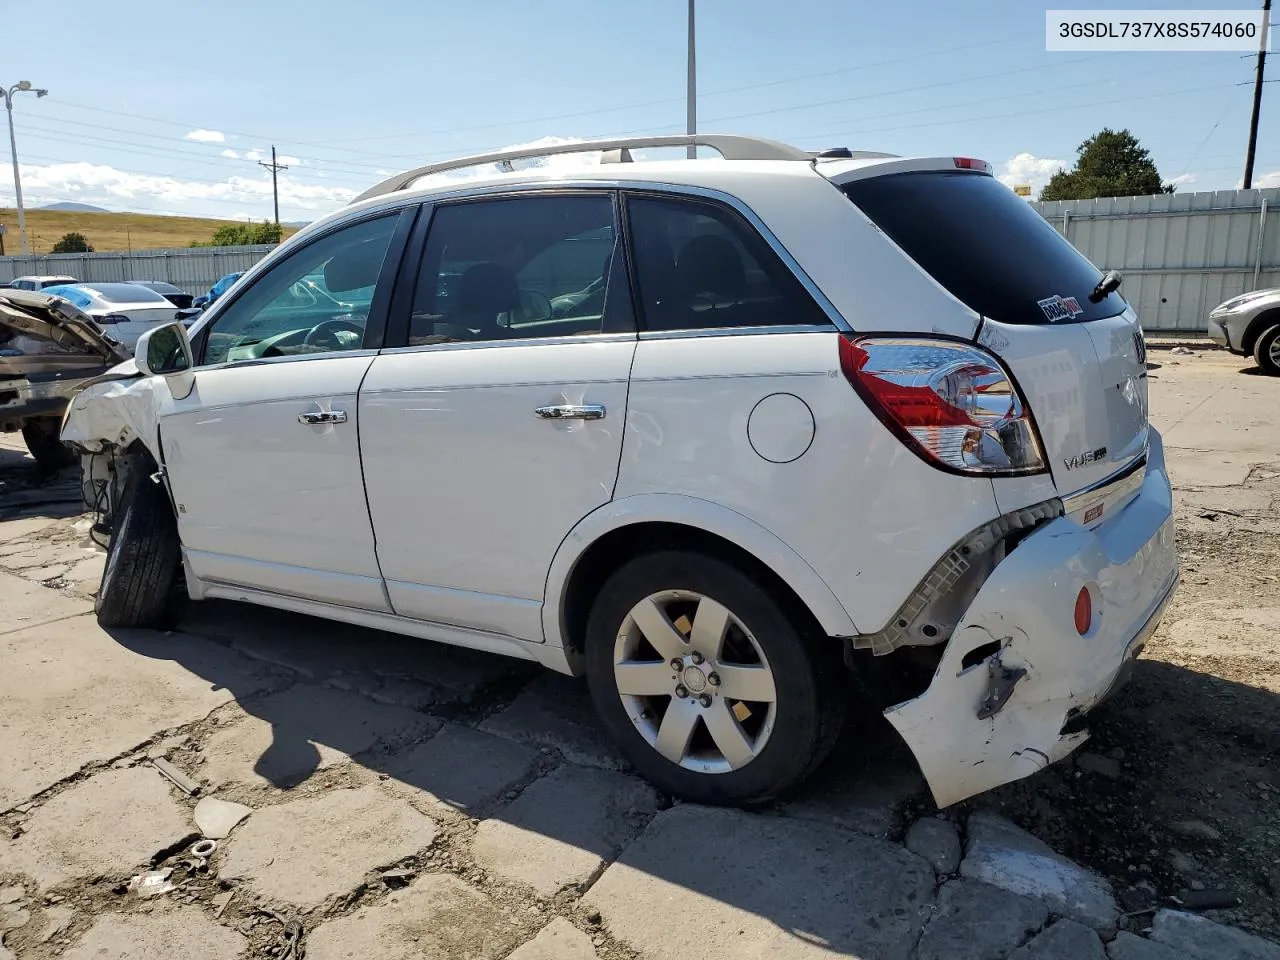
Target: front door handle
323,416
565,411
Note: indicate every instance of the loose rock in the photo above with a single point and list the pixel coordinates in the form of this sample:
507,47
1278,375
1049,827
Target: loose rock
976,921
1064,940
1195,830
1096,763
217,818
1127,946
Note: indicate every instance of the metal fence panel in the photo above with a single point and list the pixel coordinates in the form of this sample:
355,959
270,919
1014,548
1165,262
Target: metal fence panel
194,269
1181,254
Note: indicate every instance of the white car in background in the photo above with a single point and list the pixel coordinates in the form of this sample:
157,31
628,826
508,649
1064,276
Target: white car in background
124,311
39,283
827,413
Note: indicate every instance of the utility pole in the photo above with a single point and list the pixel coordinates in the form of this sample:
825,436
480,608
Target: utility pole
22,87
691,96
277,167
1257,95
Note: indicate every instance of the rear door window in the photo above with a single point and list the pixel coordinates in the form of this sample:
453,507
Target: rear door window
985,245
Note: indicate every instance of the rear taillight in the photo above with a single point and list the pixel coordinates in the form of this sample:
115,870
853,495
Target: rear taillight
971,163
951,402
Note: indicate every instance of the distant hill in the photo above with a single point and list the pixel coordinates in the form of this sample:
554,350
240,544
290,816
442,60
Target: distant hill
110,232
73,206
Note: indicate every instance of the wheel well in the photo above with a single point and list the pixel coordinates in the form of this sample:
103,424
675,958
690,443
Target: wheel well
615,548
1260,324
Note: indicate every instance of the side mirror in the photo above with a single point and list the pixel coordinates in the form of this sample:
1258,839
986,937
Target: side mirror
166,352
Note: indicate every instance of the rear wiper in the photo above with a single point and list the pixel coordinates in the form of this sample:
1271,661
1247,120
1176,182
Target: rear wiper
1109,283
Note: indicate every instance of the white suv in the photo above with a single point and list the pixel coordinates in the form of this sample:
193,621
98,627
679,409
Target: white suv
706,431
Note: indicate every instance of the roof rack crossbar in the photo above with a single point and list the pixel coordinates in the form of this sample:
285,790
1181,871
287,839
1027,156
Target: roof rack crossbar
730,147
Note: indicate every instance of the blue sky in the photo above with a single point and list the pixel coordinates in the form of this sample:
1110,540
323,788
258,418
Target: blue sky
166,107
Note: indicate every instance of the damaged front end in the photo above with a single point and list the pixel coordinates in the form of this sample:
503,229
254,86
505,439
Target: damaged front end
1047,621
48,350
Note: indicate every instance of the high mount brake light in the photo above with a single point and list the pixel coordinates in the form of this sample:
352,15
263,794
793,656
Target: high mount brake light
951,402
970,163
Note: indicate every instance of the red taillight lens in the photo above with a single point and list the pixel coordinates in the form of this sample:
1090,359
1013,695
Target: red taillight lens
951,402
1084,611
970,163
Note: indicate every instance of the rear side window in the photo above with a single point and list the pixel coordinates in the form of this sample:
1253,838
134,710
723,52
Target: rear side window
700,266
986,246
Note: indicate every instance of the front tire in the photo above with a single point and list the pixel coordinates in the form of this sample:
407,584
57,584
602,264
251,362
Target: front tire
143,557
1266,351
712,689
47,449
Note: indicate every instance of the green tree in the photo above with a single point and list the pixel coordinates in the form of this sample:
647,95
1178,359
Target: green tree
73,243
1111,163
244,234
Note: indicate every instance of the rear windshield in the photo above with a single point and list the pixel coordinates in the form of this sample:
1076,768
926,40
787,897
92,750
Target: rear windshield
985,245
125,293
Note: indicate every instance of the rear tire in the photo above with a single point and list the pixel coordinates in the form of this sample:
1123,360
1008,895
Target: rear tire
714,748
42,438
143,557
1266,351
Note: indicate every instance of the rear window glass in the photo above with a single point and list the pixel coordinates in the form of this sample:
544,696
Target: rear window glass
74,294
125,293
986,246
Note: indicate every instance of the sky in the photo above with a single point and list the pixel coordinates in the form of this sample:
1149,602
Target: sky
168,107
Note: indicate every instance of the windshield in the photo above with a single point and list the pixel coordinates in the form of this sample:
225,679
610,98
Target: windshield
985,245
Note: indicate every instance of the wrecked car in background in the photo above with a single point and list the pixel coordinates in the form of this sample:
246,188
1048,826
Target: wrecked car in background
48,349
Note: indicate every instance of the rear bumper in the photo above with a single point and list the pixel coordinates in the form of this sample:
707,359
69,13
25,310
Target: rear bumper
1050,674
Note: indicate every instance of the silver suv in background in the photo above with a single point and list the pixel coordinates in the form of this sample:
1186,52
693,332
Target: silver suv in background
1250,324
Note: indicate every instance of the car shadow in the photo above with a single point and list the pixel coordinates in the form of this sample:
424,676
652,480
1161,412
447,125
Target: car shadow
1169,724
1253,371
28,490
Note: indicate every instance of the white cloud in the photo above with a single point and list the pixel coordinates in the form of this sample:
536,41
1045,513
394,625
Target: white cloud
254,154
1271,179
230,154
1027,168
289,161
1182,179
112,188
553,163
207,136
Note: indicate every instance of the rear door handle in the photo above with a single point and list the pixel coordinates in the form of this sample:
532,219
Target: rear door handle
565,411
323,416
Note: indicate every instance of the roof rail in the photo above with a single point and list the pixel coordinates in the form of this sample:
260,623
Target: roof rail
730,147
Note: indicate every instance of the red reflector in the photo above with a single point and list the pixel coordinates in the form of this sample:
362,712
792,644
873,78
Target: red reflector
1084,611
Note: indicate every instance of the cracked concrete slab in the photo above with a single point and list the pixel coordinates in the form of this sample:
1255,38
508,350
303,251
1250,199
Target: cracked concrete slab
556,711
437,918
185,932
1005,856
1205,940
305,851
74,694
26,604
285,737
1127,946
558,940
460,768
721,884
1063,940
975,921
107,825
563,827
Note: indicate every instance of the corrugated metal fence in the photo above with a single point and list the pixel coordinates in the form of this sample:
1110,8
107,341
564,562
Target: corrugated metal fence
194,269
1181,254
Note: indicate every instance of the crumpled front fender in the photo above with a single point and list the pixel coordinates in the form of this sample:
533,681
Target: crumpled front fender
116,409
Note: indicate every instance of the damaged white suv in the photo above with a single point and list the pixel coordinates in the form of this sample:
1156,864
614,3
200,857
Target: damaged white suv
706,431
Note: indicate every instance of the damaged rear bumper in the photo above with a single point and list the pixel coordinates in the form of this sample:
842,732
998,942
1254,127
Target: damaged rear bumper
40,394
985,723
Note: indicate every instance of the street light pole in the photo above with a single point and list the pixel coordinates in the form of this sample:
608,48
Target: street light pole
21,87
691,94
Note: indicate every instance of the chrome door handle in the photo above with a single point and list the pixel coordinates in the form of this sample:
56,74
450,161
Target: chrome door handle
323,416
565,411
